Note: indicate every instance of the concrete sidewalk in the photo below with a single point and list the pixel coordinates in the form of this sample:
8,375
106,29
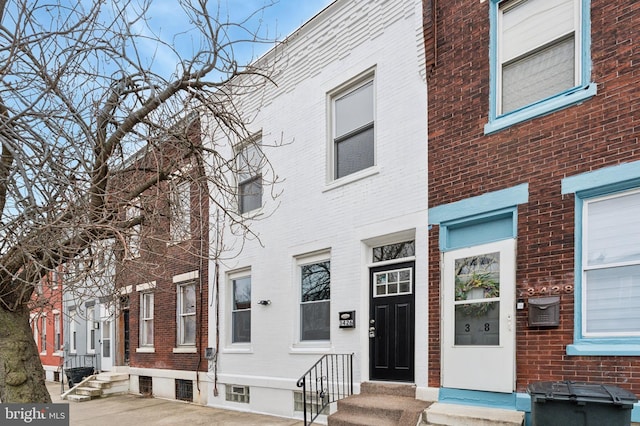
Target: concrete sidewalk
125,410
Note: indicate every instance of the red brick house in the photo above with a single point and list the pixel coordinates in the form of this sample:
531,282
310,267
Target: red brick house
162,278
534,196
47,323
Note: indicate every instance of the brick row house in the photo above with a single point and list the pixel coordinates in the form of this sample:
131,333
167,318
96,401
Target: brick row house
332,180
161,278
47,323
534,197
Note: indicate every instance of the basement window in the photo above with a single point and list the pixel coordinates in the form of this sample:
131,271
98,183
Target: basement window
145,385
237,393
184,390
314,403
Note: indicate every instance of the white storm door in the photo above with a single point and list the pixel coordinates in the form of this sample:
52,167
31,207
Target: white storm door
106,339
478,329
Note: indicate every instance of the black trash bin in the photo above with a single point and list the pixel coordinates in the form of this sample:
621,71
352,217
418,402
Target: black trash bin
76,374
580,404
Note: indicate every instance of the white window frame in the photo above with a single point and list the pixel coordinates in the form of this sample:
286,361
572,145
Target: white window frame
180,209
249,171
91,332
182,317
307,260
335,95
610,266
232,280
133,238
582,89
57,332
147,296
43,333
73,331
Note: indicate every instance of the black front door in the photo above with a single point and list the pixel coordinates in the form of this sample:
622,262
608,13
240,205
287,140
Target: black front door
391,322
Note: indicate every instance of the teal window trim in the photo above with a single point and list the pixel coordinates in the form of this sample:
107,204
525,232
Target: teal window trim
481,208
604,181
480,204
570,97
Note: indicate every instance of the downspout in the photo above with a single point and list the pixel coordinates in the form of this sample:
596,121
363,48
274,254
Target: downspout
217,304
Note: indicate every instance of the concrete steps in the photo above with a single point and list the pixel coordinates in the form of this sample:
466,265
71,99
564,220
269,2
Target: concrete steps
379,404
438,414
98,386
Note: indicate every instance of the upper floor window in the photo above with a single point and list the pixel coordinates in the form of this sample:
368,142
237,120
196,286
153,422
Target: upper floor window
249,168
57,333
133,236
180,205
611,266
539,58
353,144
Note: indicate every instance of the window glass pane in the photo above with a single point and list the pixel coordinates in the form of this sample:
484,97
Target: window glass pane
609,222
189,330
477,277
355,153
354,110
394,251
147,333
242,293
250,194
315,321
316,280
477,324
242,326
542,74
188,299
527,25
612,297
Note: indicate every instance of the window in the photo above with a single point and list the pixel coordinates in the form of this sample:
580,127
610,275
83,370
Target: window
611,266
394,251
133,237
353,130
187,314
241,310
57,342
184,390
539,58
73,334
237,393
91,332
315,286
249,166
43,334
180,205
146,319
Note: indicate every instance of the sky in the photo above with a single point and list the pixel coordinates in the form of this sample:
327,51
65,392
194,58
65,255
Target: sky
274,19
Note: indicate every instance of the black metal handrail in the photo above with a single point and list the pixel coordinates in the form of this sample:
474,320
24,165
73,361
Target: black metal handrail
328,380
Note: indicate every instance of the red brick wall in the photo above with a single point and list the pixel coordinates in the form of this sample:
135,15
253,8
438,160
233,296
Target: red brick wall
160,261
463,162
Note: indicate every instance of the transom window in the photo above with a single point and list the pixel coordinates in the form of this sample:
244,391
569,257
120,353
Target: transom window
394,251
353,130
611,266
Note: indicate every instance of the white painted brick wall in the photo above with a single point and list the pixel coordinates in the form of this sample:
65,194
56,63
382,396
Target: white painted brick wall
348,38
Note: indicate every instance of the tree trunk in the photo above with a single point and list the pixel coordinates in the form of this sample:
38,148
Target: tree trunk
22,377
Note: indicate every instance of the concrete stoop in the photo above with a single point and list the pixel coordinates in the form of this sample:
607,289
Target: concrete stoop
381,405
98,386
438,414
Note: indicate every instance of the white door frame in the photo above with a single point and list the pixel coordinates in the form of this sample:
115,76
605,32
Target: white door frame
478,365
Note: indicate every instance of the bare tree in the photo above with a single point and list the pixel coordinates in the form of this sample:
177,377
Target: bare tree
80,94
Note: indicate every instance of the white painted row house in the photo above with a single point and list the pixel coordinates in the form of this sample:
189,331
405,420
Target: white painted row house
347,232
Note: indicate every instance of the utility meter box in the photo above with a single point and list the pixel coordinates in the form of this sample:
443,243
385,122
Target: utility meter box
544,311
